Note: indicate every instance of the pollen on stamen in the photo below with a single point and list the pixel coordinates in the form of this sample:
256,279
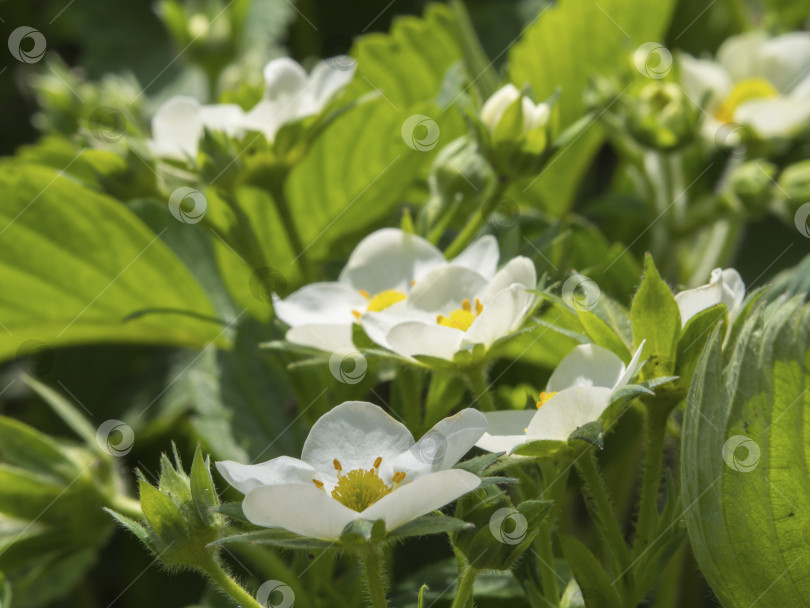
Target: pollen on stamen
337,465
357,314
364,293
378,462
465,304
439,319
478,306
398,477
318,484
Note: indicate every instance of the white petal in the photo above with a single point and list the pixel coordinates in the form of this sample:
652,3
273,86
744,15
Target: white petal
444,289
534,115
417,338
802,90
355,433
496,105
299,508
267,117
480,256
566,411
692,301
785,59
740,55
283,77
733,292
632,367
506,431
320,303
176,128
778,117
443,445
390,259
426,494
518,270
586,365
701,76
226,117
499,317
326,80
279,471
328,337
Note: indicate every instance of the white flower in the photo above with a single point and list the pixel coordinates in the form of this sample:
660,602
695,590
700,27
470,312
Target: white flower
756,81
289,95
453,308
725,287
178,125
534,115
379,274
578,392
359,463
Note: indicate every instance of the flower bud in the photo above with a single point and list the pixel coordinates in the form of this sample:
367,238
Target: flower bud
659,115
795,182
753,184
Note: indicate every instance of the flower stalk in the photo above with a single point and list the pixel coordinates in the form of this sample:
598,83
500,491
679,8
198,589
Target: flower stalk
372,570
464,595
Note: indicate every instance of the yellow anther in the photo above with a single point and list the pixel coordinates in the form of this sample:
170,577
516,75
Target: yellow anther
357,314
378,462
318,484
384,299
544,398
337,465
398,477
466,305
364,293
479,308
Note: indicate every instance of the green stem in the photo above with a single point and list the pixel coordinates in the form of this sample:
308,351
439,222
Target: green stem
283,208
215,571
605,518
480,389
653,461
465,588
126,506
409,395
548,576
370,562
476,222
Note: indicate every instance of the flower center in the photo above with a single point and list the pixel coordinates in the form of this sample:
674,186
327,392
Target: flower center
360,488
544,398
745,90
463,317
380,301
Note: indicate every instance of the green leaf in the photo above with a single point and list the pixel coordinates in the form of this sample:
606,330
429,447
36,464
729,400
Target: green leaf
430,524
95,265
136,528
479,464
595,584
202,486
544,448
745,479
407,65
233,510
656,319
25,447
5,592
276,537
568,44
590,432
67,412
603,335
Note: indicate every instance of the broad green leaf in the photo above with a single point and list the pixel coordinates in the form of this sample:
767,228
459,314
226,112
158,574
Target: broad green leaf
408,65
24,446
746,488
66,411
568,44
429,524
602,334
276,537
694,337
595,584
656,319
94,264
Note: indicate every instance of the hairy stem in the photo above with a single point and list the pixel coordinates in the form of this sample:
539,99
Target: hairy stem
480,389
217,574
465,588
370,563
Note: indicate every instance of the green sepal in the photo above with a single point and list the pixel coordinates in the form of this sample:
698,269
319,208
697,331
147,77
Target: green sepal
543,448
232,510
152,543
363,531
277,537
591,432
430,524
479,464
595,584
656,318
203,491
162,514
694,337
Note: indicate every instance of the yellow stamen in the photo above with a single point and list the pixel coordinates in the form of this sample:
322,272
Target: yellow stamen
357,314
544,398
364,293
384,299
459,319
378,462
337,465
745,90
479,308
358,489
318,484
399,477
466,305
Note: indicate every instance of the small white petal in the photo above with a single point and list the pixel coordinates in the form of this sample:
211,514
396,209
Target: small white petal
443,445
445,288
586,365
420,497
481,256
416,338
518,270
740,55
390,259
267,117
784,59
566,411
279,471
299,508
494,107
632,367
283,77
506,431
176,128
733,292
701,77
320,303
355,433
225,117
777,117
327,337
500,315
692,301
326,81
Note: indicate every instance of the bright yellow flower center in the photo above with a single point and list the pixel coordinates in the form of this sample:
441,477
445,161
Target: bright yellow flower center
360,488
463,317
745,90
380,301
